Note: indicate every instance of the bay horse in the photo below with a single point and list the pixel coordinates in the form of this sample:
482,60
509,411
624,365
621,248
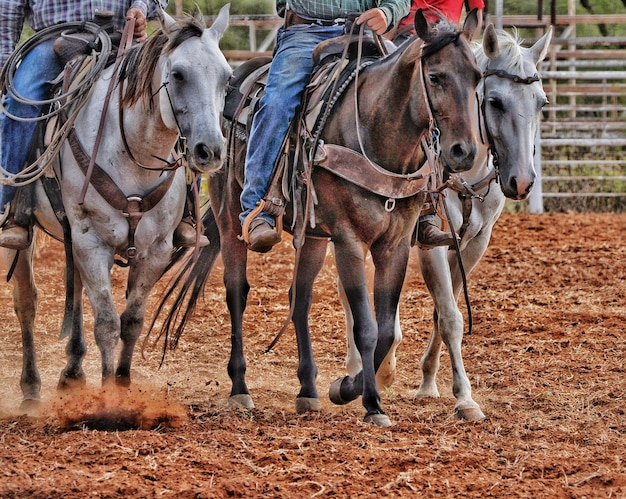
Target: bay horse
380,120
170,86
511,98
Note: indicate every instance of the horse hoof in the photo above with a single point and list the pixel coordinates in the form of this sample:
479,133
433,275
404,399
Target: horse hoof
308,404
380,420
334,393
472,413
30,407
425,392
67,383
122,381
241,401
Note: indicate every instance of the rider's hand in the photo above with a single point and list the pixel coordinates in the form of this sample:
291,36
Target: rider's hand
140,33
375,19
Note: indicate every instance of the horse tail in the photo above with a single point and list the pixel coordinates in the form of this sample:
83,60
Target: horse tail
178,302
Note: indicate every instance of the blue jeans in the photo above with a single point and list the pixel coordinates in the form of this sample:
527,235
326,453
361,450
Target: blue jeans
289,75
31,81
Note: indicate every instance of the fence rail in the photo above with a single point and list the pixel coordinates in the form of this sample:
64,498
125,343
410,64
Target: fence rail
583,133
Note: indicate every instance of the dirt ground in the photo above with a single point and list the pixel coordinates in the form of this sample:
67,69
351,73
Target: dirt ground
546,363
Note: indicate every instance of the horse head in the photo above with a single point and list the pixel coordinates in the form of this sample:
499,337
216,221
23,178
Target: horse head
192,81
511,100
450,77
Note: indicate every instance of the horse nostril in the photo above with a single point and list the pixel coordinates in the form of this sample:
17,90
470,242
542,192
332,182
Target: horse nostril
462,151
202,153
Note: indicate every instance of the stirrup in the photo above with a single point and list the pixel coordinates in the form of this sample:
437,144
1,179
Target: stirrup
245,226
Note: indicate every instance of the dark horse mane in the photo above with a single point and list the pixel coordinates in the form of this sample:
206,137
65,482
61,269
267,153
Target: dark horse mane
443,33
140,60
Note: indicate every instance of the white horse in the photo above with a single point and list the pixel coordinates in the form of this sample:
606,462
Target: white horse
510,100
173,85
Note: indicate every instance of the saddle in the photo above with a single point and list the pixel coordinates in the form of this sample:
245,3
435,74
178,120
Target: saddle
335,65
76,43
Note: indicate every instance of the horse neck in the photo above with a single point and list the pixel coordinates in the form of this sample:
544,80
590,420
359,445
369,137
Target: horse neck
146,133
482,164
384,118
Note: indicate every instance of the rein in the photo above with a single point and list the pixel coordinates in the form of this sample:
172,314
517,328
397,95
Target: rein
466,192
169,165
127,39
431,127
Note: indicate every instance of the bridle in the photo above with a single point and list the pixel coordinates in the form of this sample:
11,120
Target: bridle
500,73
179,158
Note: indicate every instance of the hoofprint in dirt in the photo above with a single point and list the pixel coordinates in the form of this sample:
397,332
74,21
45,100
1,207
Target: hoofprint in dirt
545,361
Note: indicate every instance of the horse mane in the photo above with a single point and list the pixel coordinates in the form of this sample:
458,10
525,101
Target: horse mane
140,61
443,33
510,52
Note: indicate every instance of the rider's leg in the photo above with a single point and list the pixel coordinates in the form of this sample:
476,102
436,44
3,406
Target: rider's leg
186,234
289,74
429,234
32,82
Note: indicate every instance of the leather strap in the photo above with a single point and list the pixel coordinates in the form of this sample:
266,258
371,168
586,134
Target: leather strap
127,40
350,165
133,207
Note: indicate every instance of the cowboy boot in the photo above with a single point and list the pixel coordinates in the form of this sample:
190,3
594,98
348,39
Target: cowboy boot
15,236
17,231
185,235
262,236
429,235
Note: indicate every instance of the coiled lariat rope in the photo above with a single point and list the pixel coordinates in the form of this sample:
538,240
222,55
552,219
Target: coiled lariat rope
70,101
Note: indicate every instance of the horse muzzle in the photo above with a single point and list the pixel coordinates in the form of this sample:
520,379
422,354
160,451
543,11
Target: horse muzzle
460,156
207,157
518,188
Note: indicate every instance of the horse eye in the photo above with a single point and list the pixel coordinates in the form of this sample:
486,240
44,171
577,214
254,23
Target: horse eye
434,79
177,75
496,104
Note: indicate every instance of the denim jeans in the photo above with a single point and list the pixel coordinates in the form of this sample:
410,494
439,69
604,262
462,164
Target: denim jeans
289,75
31,81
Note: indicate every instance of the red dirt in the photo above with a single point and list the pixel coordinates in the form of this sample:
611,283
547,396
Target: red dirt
546,362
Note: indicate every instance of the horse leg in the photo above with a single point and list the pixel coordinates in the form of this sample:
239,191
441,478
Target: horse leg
142,276
438,271
390,263
312,256
94,265
351,268
354,364
234,257
73,375
385,374
25,306
436,274
465,408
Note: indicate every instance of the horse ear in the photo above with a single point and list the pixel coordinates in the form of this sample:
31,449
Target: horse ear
221,22
472,24
540,48
422,28
168,23
490,42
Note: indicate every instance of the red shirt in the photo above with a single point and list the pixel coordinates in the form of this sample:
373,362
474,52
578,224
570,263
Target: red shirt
450,8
